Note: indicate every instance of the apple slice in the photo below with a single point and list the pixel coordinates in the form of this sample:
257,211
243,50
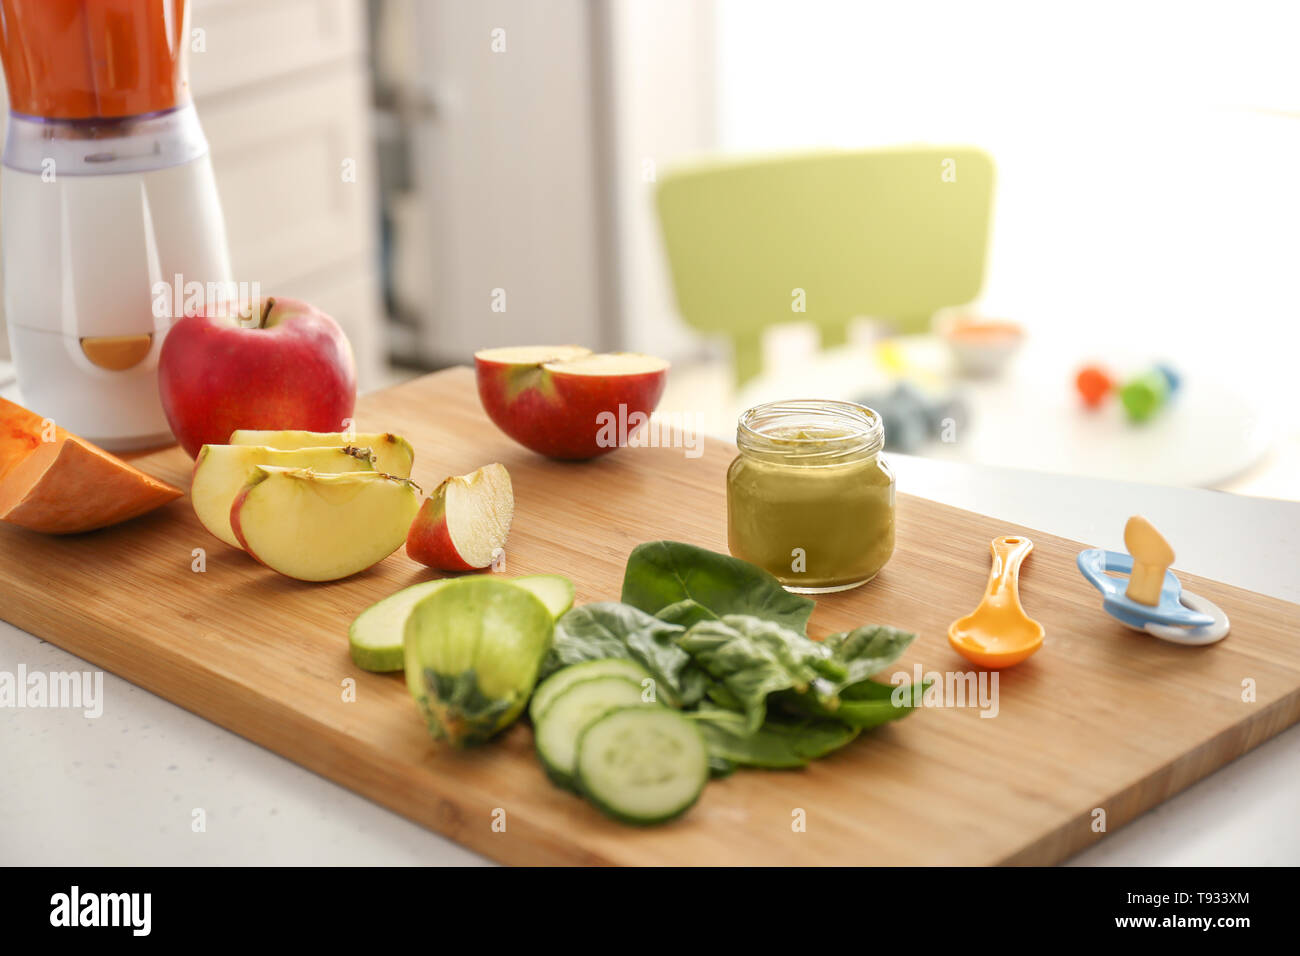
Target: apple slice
393,453
464,523
221,471
318,527
566,402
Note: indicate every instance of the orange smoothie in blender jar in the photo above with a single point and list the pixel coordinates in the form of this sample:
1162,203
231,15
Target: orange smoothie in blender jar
84,59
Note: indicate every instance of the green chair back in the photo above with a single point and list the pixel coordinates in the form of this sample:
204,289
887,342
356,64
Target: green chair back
892,234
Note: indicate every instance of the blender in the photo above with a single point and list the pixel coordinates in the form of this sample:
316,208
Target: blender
107,205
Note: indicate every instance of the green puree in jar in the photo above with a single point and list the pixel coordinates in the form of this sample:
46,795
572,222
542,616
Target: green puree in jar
809,498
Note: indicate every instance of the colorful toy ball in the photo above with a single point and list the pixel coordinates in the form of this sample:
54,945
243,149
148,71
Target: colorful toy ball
1171,377
1094,384
1145,395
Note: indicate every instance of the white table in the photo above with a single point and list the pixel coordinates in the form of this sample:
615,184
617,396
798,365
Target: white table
121,789
1211,435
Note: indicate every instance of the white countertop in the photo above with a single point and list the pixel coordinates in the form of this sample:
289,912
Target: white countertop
123,788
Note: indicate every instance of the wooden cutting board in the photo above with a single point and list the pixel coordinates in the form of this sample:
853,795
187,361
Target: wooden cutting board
1101,719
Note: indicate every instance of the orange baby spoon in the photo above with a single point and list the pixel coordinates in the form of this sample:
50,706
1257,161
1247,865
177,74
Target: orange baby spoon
999,633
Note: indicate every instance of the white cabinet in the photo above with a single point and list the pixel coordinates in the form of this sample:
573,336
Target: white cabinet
283,93
295,173
251,42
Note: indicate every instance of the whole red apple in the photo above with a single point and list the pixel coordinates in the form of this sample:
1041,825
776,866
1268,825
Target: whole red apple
282,364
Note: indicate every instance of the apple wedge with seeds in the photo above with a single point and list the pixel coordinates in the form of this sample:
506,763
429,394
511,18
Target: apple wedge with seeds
221,471
322,527
393,453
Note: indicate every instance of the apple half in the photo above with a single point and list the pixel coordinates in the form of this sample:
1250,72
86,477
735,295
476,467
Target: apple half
464,524
322,527
221,471
562,400
393,453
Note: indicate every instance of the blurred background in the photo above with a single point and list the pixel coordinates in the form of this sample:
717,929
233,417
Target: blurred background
986,198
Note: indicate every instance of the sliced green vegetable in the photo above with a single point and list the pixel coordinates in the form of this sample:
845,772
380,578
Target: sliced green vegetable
685,584
376,637
642,765
473,648
558,729
555,591
563,679
608,629
725,643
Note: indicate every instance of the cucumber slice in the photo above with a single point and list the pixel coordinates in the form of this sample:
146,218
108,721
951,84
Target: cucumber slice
566,677
642,765
568,716
375,637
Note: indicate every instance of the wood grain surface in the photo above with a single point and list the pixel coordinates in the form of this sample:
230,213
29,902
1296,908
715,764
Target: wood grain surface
1101,718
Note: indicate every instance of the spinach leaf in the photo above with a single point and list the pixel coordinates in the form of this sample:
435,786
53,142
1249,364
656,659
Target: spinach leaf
867,650
685,612
910,695
719,694
863,705
662,576
781,743
720,767
752,658
609,629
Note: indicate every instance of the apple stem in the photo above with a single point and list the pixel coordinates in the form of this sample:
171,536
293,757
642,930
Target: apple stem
266,311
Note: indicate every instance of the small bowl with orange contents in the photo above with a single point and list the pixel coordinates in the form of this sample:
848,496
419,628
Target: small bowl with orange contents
981,347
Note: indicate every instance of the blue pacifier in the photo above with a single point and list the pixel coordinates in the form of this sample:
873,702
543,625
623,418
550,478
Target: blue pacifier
1176,615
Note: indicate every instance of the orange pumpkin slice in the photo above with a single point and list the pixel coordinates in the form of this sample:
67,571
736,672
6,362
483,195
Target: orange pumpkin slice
54,482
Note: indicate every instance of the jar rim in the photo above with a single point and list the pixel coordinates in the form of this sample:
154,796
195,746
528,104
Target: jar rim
811,431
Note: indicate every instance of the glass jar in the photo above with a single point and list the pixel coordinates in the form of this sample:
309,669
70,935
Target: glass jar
809,498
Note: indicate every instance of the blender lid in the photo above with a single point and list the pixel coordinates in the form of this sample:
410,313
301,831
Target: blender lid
85,59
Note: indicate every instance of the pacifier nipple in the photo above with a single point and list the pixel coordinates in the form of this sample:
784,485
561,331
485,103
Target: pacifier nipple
1152,556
